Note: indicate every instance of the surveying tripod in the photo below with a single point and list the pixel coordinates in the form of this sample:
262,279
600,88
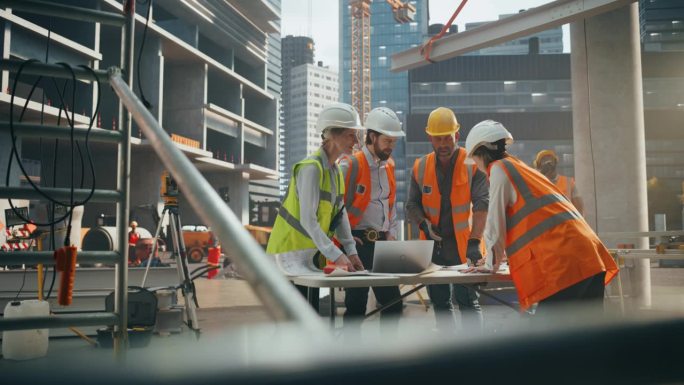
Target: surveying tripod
187,286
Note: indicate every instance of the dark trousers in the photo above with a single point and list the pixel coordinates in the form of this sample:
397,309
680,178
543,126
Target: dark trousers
315,292
579,302
444,296
467,299
356,299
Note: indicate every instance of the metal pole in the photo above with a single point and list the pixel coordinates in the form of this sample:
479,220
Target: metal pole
47,258
123,185
30,130
49,8
59,193
58,321
52,70
279,295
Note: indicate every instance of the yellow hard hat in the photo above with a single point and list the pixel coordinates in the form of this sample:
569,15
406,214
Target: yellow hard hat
544,153
442,121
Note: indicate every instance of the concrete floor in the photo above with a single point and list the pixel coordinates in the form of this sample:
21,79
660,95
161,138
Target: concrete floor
229,304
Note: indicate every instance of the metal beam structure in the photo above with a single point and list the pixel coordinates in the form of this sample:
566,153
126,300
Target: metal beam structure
525,23
61,194
30,130
50,8
52,70
58,321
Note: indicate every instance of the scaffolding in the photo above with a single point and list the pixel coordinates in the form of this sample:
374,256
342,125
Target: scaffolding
273,289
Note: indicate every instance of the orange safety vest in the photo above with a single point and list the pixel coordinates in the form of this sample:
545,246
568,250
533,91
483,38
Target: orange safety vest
425,174
549,246
358,186
565,184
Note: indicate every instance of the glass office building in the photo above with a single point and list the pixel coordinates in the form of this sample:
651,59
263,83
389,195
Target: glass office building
388,89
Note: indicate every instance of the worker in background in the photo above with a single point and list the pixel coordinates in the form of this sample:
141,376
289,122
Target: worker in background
370,202
547,162
554,256
445,197
133,237
313,208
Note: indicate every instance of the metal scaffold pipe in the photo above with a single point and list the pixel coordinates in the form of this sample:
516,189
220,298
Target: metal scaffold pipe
280,297
49,8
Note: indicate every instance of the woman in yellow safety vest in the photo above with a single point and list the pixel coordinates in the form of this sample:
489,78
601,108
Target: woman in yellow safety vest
313,208
554,256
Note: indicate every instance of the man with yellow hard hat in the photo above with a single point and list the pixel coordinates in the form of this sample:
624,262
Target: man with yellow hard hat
546,163
445,197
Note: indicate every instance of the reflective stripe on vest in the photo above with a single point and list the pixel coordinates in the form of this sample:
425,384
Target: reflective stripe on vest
288,234
425,172
356,201
532,204
549,246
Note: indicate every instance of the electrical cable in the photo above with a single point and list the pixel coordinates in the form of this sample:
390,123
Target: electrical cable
67,239
204,273
144,100
15,154
21,288
201,271
23,277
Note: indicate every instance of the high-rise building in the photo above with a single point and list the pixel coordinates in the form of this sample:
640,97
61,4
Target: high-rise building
662,25
388,89
211,73
312,88
550,42
268,190
296,50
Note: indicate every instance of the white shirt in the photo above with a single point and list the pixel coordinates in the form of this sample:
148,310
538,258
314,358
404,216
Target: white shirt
501,195
377,215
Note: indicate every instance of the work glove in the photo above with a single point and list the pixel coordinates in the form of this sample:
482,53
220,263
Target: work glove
473,252
430,232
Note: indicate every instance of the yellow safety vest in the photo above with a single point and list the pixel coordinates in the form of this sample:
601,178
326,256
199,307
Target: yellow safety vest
288,233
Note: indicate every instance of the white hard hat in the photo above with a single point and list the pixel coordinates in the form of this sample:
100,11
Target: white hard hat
384,121
485,133
338,115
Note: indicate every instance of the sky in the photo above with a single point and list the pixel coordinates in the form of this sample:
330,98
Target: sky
324,27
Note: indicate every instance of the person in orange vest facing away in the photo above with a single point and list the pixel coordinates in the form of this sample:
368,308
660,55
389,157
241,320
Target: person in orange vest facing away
546,163
370,201
445,197
554,256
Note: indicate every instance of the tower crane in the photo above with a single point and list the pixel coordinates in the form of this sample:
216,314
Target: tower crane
360,48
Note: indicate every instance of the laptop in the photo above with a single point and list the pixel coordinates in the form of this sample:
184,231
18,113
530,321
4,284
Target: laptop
402,257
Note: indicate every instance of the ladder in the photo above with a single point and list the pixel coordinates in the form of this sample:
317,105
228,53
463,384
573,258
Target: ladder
121,136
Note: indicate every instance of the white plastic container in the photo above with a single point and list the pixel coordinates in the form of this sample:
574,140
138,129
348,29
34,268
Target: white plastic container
25,344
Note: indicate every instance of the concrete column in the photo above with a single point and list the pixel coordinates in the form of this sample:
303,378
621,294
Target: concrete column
146,171
238,193
238,183
608,123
